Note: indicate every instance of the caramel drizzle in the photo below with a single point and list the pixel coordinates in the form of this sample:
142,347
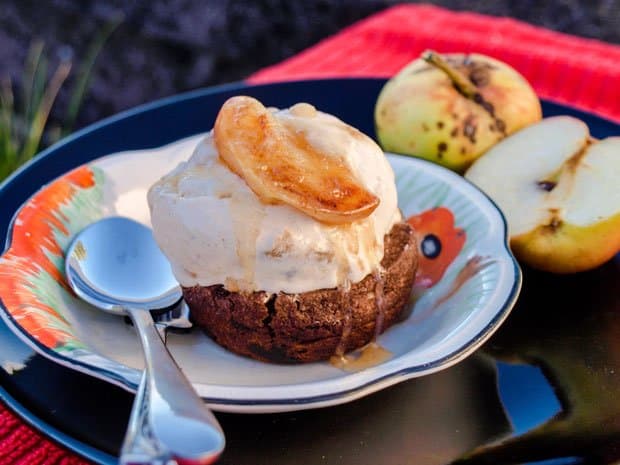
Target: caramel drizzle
347,321
371,354
379,301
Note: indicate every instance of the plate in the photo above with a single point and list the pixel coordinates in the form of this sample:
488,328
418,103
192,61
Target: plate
448,322
462,407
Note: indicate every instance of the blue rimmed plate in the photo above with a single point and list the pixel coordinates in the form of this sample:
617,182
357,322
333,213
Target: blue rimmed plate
468,292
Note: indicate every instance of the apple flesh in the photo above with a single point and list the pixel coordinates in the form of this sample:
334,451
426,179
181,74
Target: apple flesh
452,108
559,190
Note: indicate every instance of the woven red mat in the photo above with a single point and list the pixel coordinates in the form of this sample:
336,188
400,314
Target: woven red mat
566,69
569,70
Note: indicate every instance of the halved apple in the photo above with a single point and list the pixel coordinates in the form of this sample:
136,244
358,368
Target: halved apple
560,192
281,166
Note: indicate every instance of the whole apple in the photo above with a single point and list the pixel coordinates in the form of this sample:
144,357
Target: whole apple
451,108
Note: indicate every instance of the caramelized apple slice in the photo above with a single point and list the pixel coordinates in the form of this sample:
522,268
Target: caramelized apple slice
281,166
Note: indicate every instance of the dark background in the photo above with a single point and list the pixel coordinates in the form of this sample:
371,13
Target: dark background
163,47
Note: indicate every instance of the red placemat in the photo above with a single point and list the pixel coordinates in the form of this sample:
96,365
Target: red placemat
577,72
569,70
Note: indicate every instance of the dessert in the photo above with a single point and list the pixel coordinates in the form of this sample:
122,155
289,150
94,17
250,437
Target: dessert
284,232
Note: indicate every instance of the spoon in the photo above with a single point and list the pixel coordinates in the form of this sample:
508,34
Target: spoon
115,265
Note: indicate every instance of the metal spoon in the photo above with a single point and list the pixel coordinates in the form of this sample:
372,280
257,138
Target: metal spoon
115,265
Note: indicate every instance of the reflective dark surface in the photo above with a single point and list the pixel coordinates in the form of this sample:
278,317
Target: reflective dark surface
545,386
569,326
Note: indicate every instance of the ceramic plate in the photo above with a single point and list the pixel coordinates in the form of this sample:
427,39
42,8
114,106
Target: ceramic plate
468,291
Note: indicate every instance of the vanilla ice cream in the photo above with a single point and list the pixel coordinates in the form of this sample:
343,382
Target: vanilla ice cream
215,230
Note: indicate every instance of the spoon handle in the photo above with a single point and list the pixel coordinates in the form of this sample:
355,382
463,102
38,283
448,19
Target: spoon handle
168,417
139,446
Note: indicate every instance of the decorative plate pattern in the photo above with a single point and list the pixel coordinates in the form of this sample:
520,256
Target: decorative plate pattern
467,284
32,284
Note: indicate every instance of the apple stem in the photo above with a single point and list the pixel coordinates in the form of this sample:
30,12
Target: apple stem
460,81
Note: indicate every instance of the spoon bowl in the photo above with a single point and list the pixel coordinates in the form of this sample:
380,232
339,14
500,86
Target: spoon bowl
116,265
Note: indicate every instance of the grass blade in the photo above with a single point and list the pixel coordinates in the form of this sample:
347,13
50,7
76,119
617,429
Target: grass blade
30,68
25,121
36,92
42,112
8,151
85,71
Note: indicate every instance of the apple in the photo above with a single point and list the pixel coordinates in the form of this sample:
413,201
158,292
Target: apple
559,190
281,166
450,109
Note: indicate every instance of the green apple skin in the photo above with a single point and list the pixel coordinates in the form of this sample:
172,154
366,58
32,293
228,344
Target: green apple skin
420,112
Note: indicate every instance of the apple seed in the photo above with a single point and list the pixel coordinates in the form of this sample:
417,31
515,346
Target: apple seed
546,185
